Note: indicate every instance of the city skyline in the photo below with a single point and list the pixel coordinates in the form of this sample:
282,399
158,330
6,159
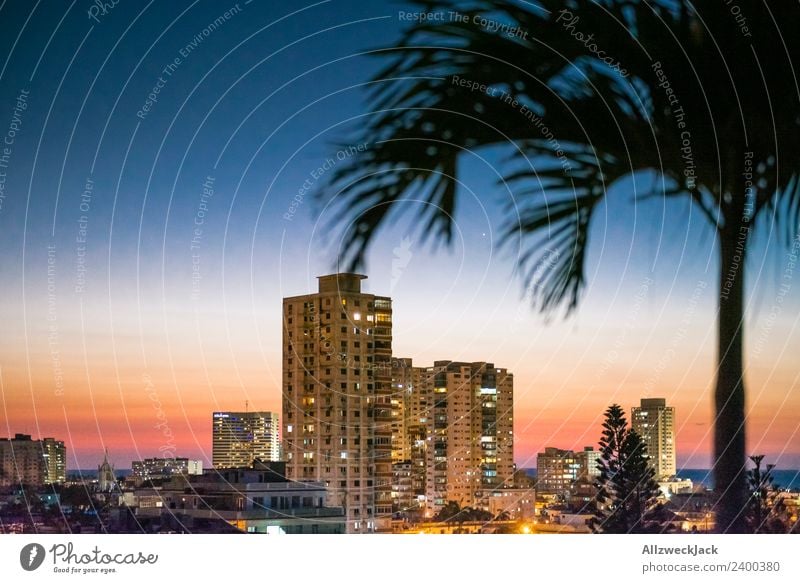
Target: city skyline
145,271
204,451
266,424
554,420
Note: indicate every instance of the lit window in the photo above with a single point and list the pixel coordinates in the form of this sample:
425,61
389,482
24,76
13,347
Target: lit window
344,455
288,429
356,316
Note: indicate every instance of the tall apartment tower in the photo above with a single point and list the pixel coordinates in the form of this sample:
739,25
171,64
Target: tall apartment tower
28,461
459,418
473,436
655,422
412,393
55,458
412,400
337,410
239,438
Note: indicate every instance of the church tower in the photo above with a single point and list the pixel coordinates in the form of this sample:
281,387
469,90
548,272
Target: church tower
106,479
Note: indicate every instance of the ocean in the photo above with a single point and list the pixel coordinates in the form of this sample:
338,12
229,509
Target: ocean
789,479
92,474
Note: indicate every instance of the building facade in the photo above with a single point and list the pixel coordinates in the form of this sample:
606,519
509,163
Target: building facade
404,495
28,461
251,500
556,470
654,421
157,467
515,503
457,430
337,397
240,438
412,398
588,459
55,460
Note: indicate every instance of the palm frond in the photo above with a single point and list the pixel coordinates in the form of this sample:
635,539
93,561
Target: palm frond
695,100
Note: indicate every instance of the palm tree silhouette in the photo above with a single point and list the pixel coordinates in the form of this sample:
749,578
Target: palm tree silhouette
586,94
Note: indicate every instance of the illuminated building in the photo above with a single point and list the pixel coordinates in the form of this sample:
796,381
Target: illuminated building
458,430
588,459
240,438
156,467
252,500
337,409
55,460
655,423
556,470
412,396
31,462
516,503
404,496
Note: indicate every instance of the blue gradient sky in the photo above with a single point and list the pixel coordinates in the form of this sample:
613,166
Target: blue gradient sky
258,105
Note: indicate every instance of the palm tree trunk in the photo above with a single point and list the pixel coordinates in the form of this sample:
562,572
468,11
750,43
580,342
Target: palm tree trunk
729,397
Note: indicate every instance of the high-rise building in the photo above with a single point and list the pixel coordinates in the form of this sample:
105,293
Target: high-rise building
412,393
404,496
588,459
28,461
655,423
556,470
156,467
504,425
337,397
240,438
458,430
55,458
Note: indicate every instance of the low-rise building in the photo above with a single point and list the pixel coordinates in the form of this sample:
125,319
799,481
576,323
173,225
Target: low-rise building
514,503
582,495
695,511
675,486
251,500
159,468
566,521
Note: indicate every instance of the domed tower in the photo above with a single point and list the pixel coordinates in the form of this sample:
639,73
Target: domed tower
106,479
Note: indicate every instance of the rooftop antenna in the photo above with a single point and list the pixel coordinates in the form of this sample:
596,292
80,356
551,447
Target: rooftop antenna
246,406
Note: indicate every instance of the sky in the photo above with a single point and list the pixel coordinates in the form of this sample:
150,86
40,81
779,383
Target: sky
149,229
